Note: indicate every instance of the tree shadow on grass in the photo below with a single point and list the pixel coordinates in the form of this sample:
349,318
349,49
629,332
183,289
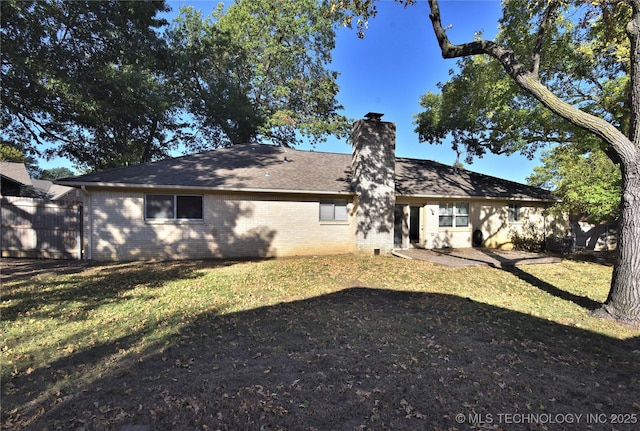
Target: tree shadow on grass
361,358
31,291
582,301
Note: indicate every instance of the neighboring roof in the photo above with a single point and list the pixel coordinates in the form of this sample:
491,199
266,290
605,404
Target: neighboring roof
15,172
256,167
49,189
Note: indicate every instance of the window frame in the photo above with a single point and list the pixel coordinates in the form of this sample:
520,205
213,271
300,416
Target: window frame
451,211
514,211
175,208
334,203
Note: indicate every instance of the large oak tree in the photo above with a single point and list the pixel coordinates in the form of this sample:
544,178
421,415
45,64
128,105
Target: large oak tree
110,83
540,26
88,80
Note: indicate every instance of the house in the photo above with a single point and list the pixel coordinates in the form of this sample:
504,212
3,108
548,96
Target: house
13,178
16,181
46,189
258,200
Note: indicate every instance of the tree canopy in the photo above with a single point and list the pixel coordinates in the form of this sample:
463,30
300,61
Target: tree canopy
86,78
258,70
111,83
496,115
588,184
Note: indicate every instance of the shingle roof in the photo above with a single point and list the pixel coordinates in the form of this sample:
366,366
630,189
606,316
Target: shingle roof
248,166
50,190
416,177
256,167
16,172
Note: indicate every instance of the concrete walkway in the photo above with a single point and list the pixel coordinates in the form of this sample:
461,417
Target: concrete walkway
464,257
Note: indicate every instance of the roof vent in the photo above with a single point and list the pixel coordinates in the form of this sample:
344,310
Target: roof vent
373,116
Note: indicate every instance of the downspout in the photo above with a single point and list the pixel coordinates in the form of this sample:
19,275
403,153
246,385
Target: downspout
89,213
544,221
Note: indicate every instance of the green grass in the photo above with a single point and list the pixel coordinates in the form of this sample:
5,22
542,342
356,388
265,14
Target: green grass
65,330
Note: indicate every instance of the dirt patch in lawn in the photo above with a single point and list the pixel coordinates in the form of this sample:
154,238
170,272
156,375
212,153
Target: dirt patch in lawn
357,359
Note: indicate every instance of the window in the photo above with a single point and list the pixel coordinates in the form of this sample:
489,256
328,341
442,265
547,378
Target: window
333,210
514,212
172,207
453,214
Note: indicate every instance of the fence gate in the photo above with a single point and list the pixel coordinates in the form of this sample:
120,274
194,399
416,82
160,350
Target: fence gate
38,228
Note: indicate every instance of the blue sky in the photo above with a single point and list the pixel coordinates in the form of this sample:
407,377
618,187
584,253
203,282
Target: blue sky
398,61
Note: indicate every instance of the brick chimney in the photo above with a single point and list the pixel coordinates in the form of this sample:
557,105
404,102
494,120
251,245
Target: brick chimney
373,181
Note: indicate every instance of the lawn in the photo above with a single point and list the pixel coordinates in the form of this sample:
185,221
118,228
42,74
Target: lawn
324,343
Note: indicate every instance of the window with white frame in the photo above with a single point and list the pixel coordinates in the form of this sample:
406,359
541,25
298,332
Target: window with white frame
514,213
173,207
453,214
335,210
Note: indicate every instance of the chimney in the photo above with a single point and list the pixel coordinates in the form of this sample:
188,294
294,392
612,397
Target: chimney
373,181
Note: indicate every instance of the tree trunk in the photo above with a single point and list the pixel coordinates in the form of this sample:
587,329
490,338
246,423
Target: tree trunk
623,302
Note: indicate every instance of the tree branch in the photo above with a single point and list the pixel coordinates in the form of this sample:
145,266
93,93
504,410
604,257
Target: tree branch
529,82
544,25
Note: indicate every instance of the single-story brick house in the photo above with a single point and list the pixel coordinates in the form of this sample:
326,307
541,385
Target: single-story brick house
258,200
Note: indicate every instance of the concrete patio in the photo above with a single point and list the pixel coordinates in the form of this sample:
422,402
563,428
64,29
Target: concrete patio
466,257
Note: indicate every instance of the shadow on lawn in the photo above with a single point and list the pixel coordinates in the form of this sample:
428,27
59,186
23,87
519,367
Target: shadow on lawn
104,285
361,358
582,301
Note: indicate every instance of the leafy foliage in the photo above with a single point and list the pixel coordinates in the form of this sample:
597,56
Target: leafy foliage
528,238
257,69
483,109
55,173
101,84
588,184
87,77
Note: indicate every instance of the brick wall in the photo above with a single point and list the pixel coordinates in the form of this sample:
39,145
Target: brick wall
373,181
233,225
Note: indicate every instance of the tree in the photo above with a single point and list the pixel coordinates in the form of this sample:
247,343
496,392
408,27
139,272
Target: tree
576,67
89,78
588,184
257,69
55,173
531,28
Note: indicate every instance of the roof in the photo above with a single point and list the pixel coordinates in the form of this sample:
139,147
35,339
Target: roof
263,168
49,189
15,172
416,177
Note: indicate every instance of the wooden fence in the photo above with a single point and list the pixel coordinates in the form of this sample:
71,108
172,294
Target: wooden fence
38,228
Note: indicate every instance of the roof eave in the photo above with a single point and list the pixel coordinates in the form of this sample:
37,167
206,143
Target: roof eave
203,188
492,198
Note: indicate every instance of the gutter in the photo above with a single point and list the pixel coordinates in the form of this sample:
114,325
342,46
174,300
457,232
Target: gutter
83,186
490,198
